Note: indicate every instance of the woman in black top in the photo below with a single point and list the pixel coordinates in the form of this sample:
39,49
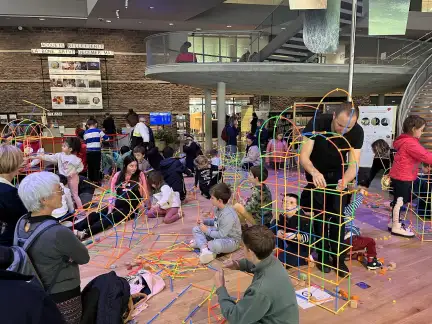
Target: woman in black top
253,123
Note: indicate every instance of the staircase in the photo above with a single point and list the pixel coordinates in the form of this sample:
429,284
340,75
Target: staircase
417,100
294,50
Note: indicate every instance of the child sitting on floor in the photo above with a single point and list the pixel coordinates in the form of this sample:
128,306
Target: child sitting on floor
359,242
139,153
270,298
204,175
67,207
292,228
165,201
215,159
221,234
252,211
124,151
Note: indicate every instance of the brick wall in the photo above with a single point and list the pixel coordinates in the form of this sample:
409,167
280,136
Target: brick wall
22,75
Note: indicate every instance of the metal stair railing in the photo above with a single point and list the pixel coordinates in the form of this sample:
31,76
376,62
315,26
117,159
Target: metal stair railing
423,73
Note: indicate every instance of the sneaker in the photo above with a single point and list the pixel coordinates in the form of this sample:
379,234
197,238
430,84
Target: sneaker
373,264
206,256
193,245
80,234
400,230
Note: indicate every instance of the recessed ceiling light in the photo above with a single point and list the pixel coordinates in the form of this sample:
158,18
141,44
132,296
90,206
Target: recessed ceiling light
171,24
139,22
108,21
229,26
283,28
198,29
41,18
151,7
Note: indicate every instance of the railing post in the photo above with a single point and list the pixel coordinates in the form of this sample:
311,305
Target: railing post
352,47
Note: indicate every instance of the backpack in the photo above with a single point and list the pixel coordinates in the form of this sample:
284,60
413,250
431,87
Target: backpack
105,300
224,134
21,262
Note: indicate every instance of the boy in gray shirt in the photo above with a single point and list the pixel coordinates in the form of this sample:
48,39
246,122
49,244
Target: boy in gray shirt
270,299
221,234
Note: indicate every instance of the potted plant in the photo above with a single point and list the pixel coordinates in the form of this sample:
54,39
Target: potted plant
164,137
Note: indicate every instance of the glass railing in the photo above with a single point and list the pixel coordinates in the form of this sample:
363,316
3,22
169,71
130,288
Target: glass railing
202,47
245,46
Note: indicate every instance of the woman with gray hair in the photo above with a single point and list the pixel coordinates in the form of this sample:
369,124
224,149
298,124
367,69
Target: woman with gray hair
56,253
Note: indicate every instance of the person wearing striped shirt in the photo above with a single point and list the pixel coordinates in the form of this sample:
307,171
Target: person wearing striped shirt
93,136
353,235
293,232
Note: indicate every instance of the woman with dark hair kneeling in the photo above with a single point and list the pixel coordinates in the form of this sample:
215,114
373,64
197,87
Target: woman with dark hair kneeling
129,187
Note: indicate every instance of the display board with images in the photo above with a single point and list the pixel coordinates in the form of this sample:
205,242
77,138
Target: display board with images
75,82
378,122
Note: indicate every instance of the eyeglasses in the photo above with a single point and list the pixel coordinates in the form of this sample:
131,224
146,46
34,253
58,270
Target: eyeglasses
60,191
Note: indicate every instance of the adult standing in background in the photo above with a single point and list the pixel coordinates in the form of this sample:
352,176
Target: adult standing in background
261,135
253,123
232,132
324,168
108,125
142,134
185,56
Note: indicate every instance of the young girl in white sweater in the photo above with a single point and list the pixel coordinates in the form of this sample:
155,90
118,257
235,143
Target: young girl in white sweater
165,201
68,164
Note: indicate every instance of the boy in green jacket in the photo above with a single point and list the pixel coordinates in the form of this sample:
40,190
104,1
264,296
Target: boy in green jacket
270,299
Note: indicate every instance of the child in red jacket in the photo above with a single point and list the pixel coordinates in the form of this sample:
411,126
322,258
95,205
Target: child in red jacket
410,153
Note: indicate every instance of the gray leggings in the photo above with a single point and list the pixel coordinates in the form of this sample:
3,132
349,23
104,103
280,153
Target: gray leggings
223,245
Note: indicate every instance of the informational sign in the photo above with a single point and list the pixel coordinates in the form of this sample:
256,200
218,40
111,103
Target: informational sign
378,122
95,53
75,82
52,51
53,45
86,46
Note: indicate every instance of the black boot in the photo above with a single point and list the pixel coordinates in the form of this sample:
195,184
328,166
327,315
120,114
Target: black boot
343,269
323,268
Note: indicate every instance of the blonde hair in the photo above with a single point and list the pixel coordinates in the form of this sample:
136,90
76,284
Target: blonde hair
11,158
201,162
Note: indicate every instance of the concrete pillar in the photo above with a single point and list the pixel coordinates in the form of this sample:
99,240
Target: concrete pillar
381,100
208,120
221,111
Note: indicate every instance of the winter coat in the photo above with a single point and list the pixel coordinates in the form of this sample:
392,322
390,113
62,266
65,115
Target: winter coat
172,170
410,153
278,149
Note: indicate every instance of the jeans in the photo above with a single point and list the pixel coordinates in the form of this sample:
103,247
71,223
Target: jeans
94,165
222,245
231,149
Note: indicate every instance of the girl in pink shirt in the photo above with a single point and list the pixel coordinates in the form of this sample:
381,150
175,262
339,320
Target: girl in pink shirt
276,150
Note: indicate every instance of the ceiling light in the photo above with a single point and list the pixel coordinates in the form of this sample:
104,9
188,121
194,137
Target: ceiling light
229,26
198,29
41,18
171,24
108,21
283,28
151,8
139,22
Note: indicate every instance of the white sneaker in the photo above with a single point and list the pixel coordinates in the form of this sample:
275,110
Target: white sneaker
400,230
193,245
206,256
80,234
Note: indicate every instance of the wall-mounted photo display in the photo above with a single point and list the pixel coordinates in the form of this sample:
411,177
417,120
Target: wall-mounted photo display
76,100
75,83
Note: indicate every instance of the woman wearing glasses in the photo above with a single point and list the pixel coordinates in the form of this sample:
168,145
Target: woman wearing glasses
56,252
